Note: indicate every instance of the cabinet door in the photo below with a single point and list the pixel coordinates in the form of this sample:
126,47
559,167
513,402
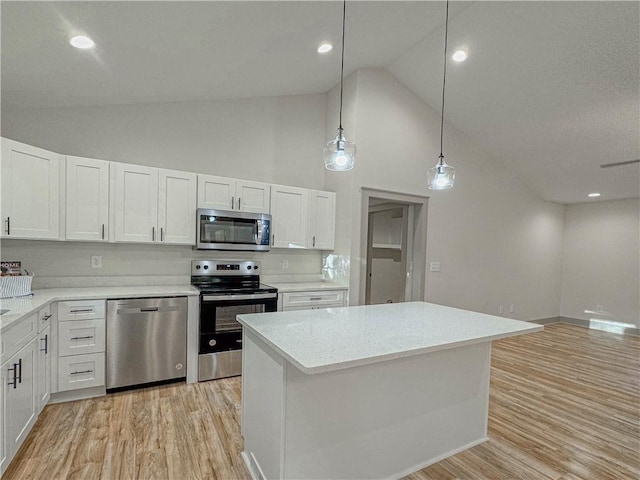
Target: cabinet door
136,203
322,220
218,193
253,196
290,212
30,191
87,199
5,378
177,207
21,401
44,368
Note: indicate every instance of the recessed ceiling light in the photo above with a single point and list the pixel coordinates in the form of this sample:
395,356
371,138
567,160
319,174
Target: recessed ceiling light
325,47
593,195
460,55
80,41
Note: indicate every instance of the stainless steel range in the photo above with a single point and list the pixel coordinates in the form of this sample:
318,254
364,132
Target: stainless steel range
227,288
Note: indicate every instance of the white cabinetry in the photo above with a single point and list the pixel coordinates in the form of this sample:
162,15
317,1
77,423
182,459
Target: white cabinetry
290,212
153,205
322,220
81,345
44,367
221,193
30,191
87,209
311,300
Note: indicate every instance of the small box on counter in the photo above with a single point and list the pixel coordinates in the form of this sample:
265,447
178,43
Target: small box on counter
11,268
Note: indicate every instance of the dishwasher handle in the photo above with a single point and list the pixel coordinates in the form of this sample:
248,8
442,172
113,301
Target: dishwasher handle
142,310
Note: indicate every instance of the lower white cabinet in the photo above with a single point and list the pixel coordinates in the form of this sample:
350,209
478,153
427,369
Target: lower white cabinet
81,345
20,406
44,367
312,300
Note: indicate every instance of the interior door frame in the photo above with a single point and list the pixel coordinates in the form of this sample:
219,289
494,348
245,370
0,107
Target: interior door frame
416,241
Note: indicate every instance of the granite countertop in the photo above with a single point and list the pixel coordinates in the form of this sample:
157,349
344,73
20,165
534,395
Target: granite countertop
318,341
21,307
306,286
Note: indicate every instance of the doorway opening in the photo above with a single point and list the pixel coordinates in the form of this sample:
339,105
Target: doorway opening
393,238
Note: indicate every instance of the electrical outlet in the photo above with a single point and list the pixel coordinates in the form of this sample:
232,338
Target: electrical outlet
285,264
435,266
501,310
599,308
512,308
96,261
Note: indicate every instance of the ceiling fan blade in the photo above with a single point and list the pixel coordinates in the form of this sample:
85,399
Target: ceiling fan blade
617,164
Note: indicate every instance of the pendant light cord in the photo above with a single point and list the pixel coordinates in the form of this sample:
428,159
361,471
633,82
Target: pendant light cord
344,12
444,78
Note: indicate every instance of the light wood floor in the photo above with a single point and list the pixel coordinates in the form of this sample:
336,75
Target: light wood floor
564,405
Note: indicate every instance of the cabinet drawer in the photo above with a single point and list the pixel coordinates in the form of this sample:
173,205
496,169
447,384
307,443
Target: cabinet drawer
81,336
80,371
17,336
312,299
44,316
81,310
310,307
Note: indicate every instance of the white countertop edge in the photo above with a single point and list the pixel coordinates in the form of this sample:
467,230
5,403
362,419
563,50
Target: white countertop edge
313,370
44,297
287,287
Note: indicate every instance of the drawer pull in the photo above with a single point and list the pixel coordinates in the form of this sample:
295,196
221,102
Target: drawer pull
81,338
81,372
84,310
15,376
46,344
315,298
46,317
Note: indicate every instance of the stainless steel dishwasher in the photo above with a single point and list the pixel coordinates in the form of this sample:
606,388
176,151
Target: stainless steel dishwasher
146,340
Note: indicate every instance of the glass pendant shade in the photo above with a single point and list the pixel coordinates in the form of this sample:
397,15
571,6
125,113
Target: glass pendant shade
441,176
339,153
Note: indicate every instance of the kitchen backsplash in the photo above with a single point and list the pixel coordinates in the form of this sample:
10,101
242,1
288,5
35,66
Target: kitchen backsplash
68,264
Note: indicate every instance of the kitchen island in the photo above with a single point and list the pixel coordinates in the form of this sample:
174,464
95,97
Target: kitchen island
375,391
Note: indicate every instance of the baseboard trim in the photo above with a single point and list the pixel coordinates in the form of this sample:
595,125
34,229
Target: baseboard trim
546,321
603,325
82,394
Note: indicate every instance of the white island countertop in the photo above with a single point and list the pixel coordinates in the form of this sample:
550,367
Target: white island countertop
20,307
319,341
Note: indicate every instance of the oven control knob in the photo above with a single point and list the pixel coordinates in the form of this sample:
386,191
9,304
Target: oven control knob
206,267
197,267
248,267
255,267
212,343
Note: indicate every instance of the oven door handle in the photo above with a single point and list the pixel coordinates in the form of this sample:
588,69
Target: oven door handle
255,296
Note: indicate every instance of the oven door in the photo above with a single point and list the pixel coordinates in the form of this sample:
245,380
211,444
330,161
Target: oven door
219,329
224,230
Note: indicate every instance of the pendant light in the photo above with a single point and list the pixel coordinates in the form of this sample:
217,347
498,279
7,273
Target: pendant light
340,153
441,176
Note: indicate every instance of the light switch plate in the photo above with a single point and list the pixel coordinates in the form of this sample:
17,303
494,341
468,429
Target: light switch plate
435,266
96,261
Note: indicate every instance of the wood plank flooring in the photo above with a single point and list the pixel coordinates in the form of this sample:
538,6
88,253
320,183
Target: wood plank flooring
564,405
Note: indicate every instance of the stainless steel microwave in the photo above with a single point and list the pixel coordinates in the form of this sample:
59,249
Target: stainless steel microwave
226,230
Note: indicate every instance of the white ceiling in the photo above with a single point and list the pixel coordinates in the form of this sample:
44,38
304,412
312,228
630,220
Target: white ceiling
550,88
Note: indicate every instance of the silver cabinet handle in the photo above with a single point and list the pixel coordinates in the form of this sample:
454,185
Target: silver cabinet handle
232,203
46,317
161,234
19,370
84,310
315,298
314,240
273,239
153,234
81,338
46,344
239,207
81,372
103,231
8,225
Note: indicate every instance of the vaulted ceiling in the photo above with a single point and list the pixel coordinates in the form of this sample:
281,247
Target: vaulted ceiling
551,89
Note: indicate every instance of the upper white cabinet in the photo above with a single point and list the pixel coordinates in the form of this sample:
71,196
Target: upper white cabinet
136,203
221,193
30,191
322,220
153,205
177,207
290,212
87,199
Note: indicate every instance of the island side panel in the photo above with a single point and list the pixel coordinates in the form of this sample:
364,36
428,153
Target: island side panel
387,419
262,407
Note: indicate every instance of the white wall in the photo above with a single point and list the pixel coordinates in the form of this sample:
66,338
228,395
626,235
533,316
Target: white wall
498,244
275,140
601,261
